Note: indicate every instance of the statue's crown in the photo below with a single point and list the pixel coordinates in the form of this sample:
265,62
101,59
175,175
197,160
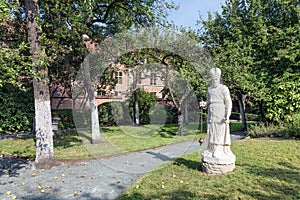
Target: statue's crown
215,73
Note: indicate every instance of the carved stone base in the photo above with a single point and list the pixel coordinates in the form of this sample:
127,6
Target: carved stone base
215,168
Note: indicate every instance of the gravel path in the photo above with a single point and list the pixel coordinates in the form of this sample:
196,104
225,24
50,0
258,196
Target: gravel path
100,179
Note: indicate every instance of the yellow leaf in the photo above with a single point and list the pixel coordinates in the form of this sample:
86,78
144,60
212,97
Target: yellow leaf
39,187
137,186
55,177
22,183
8,192
75,193
174,175
14,197
33,174
181,181
42,191
63,175
163,186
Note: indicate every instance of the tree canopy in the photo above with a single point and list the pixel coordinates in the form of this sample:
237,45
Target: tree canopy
256,44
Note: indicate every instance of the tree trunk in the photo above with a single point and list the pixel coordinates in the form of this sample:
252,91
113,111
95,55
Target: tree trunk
136,109
242,106
93,105
186,113
42,120
180,123
261,110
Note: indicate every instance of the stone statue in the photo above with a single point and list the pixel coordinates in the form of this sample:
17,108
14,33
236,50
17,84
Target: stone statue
218,158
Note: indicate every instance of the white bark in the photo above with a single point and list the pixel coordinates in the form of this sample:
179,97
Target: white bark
43,131
43,121
93,105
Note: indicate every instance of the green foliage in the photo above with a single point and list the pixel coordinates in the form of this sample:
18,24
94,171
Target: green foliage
65,118
110,113
284,97
15,59
17,109
282,129
255,43
167,112
145,101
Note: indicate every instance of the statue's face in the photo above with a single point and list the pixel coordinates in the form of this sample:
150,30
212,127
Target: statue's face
215,81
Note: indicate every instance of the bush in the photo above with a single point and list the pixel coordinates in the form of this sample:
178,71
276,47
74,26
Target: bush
158,114
66,118
283,129
17,110
145,101
252,117
172,115
110,113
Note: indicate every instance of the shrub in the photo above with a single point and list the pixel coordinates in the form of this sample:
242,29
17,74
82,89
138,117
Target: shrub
66,118
282,129
110,113
172,115
17,109
145,101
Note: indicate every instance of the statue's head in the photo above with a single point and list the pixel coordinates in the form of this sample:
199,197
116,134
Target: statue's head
215,76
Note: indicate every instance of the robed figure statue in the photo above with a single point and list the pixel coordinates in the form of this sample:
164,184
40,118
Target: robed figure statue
218,153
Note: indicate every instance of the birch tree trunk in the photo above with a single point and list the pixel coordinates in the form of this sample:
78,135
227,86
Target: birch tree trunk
42,120
136,108
93,104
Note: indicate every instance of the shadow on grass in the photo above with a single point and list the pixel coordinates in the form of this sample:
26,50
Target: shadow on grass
67,141
181,194
276,182
188,163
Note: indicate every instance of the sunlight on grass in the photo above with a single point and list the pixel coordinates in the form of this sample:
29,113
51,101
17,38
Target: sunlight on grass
114,140
265,169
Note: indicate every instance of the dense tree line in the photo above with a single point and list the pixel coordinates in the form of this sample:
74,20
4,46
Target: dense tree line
256,44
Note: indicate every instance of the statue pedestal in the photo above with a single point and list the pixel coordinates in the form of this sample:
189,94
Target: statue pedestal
215,165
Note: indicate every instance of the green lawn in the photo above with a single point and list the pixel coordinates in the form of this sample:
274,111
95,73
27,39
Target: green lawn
114,140
265,169
117,139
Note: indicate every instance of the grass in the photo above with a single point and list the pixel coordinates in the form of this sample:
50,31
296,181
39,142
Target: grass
73,145
114,140
265,169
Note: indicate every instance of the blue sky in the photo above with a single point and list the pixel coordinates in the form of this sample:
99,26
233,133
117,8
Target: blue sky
189,11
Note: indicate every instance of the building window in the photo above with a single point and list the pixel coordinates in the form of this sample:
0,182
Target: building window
153,79
119,76
101,93
118,93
